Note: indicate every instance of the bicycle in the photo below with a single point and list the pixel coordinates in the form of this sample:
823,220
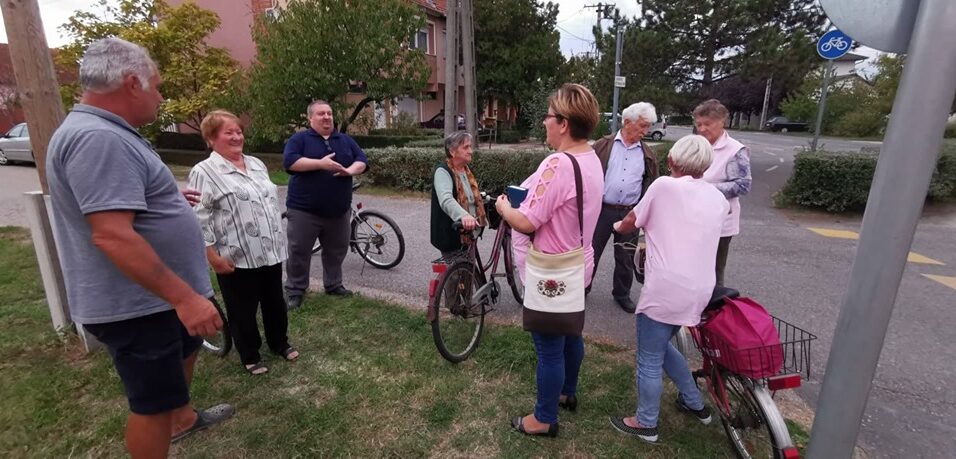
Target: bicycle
745,405
461,294
371,236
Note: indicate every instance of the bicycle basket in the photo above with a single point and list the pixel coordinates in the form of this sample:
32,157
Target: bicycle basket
787,351
494,219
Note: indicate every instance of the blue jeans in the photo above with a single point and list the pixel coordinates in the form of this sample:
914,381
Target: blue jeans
654,352
559,360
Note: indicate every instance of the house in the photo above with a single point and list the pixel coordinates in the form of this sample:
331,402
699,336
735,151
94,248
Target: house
235,35
844,69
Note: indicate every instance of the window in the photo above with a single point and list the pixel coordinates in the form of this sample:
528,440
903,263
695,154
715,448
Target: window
422,39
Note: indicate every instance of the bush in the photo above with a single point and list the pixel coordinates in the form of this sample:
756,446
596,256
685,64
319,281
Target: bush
602,129
178,141
412,168
190,158
431,142
840,181
383,141
950,130
510,136
406,132
680,120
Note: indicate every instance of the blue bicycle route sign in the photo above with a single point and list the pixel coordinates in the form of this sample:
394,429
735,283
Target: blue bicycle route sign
833,44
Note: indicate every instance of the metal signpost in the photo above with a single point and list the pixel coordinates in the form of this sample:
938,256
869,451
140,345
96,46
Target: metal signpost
831,45
907,160
618,84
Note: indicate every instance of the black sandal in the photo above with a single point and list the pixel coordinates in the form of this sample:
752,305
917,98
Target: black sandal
289,350
255,367
518,425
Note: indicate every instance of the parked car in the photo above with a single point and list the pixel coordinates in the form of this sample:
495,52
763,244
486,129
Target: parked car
438,121
782,124
656,132
15,145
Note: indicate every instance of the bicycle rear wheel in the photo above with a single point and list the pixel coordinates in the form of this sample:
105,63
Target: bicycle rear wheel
377,239
511,271
458,319
685,345
221,343
753,423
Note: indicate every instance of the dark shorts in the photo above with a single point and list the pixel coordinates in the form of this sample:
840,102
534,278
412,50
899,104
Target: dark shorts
148,353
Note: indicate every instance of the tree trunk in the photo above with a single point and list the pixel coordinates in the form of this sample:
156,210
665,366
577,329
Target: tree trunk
355,113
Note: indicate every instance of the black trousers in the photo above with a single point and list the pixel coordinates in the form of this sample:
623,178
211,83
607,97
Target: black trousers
723,248
623,258
243,291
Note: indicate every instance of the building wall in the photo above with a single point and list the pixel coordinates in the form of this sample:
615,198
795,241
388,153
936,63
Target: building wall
235,29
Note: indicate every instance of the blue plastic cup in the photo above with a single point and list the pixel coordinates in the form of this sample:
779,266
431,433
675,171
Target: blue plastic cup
516,195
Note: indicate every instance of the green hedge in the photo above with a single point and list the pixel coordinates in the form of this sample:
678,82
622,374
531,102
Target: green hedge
406,132
840,181
412,168
178,141
510,136
383,141
436,142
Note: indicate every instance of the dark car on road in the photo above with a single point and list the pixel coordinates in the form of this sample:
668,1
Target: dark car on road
438,121
782,124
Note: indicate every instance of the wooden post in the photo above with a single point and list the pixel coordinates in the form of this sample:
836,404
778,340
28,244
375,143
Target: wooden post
36,77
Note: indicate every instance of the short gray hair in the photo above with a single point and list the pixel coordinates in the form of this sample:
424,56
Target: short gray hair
640,110
692,155
308,110
455,140
108,60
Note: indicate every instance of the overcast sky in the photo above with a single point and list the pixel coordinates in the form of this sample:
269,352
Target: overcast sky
574,21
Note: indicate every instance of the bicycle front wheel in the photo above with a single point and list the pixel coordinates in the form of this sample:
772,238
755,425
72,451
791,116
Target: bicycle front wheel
458,319
514,279
377,239
221,343
753,423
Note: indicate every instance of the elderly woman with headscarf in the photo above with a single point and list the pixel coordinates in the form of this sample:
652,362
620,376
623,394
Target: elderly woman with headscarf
455,195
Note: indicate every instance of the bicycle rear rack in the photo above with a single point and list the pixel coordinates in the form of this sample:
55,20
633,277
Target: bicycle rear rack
790,356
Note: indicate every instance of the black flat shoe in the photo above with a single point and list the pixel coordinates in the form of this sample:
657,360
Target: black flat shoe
570,403
518,425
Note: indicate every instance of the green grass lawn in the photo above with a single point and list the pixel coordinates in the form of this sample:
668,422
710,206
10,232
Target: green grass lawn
369,384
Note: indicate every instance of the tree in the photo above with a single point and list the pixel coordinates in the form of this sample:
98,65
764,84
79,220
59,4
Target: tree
325,49
716,39
195,75
516,43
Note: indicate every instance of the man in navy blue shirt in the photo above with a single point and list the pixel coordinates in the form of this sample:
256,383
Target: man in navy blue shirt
321,162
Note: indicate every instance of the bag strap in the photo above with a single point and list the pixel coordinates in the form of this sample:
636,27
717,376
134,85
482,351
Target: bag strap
578,186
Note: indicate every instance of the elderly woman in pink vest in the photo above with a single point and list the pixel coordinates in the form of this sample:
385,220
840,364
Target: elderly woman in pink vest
729,171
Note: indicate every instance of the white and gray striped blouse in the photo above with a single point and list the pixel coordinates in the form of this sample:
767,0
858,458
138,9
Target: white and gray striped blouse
239,211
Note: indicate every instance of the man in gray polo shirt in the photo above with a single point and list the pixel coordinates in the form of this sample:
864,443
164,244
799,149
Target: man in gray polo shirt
130,246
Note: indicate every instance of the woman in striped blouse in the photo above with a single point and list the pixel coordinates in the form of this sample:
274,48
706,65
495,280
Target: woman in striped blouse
245,243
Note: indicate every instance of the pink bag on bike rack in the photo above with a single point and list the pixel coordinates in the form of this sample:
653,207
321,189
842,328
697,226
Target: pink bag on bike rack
743,338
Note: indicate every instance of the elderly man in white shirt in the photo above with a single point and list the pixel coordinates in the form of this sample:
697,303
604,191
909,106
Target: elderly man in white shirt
629,168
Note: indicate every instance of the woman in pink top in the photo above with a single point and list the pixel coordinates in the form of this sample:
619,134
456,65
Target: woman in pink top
729,171
550,211
682,216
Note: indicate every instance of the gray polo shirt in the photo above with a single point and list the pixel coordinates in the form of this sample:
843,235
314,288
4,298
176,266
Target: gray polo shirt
98,162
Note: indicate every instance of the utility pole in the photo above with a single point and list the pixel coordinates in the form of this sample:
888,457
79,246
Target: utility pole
40,98
451,67
615,117
827,74
35,75
766,103
468,51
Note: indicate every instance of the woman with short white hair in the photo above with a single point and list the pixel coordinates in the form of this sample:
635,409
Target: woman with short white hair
682,217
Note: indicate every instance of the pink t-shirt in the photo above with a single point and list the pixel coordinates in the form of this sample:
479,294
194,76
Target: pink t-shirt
682,219
551,206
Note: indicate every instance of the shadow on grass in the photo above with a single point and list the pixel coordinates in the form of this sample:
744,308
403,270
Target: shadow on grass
369,383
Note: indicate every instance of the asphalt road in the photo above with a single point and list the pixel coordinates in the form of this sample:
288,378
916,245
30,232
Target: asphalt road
797,274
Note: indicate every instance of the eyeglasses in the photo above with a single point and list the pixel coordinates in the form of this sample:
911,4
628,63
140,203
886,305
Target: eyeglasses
557,117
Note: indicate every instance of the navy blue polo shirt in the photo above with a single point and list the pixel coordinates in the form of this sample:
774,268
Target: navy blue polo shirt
319,192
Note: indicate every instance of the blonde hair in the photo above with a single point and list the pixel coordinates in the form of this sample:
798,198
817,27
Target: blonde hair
214,121
575,104
691,155
711,108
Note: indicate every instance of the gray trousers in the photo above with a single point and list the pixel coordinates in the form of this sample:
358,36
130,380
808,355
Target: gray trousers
623,258
303,229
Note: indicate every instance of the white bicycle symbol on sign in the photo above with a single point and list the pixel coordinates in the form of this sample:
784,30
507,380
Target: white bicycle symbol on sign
835,42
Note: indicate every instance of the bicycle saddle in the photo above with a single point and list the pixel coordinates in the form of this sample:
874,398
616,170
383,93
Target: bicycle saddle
717,299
